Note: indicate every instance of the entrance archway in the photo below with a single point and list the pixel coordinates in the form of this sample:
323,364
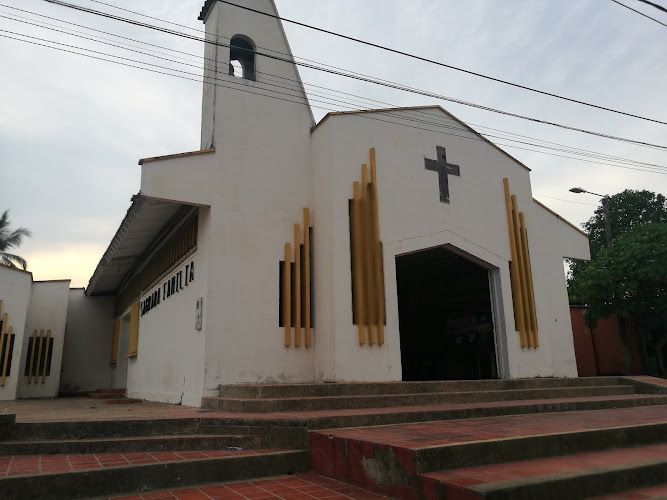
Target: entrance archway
445,317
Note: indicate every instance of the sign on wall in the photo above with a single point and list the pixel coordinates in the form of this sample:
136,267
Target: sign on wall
178,281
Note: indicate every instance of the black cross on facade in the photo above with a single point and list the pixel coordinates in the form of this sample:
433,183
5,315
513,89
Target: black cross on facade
443,168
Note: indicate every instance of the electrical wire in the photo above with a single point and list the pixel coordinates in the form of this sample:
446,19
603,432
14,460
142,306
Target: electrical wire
565,149
638,12
566,201
182,76
299,83
354,76
412,56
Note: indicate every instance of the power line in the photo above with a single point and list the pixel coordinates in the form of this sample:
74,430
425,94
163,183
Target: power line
159,71
299,83
561,148
439,124
566,201
357,76
449,66
659,7
634,10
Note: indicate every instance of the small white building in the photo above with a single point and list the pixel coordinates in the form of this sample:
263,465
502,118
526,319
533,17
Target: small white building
437,264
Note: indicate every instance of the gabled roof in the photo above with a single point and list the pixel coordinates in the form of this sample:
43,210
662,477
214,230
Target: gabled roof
416,108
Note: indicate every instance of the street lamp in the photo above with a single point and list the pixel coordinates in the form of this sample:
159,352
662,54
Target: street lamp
605,208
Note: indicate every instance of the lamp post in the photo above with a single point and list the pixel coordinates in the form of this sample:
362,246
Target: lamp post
605,208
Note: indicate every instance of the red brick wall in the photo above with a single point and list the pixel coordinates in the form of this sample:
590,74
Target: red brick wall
583,344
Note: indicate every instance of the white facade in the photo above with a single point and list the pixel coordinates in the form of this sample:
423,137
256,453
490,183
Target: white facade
15,288
86,356
262,160
33,309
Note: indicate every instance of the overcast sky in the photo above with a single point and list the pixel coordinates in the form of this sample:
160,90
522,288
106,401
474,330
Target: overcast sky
72,128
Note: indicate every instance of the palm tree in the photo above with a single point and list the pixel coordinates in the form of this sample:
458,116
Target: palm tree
11,239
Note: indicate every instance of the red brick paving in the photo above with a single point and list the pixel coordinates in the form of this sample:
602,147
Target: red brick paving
415,435
304,486
21,465
456,481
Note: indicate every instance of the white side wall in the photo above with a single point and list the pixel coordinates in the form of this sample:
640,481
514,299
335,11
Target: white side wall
169,364
15,290
257,183
88,345
552,239
48,311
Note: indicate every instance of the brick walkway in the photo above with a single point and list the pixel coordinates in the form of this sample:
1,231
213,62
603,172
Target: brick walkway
304,486
478,429
22,465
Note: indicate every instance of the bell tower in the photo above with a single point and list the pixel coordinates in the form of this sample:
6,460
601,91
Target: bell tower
249,71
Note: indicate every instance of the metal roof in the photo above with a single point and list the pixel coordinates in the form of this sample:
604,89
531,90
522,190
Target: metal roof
144,225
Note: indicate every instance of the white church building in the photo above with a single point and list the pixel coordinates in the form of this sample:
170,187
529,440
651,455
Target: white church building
413,252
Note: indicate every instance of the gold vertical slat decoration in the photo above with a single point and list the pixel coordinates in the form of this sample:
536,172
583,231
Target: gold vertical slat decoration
2,339
514,268
62,357
114,341
297,285
377,252
523,297
306,273
287,295
366,247
32,354
529,281
39,355
8,338
357,265
368,255
522,270
133,344
46,355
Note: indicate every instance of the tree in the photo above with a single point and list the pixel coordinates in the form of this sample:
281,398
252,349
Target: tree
630,278
11,239
627,210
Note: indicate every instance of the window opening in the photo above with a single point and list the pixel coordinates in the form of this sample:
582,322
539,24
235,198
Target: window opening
242,58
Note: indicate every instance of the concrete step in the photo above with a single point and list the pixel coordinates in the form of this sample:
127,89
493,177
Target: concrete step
389,459
122,401
573,477
106,395
133,444
659,491
102,429
53,477
411,399
282,391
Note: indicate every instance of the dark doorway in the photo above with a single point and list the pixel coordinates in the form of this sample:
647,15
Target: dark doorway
445,318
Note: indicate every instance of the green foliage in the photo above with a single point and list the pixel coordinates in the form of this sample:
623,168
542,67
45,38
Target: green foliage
630,277
11,239
627,211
